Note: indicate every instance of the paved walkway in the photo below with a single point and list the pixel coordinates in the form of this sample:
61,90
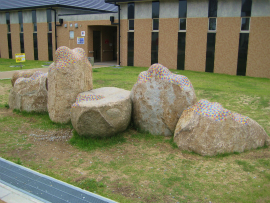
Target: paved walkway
8,74
19,184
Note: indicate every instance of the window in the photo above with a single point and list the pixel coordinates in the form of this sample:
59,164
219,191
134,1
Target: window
246,8
211,36
20,17
182,35
9,35
131,11
155,15
131,16
244,37
245,24
50,47
34,21
8,22
212,24
130,49
154,48
35,42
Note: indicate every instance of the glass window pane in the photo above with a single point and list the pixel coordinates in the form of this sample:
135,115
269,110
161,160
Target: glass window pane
21,26
210,53
35,46
242,54
49,16
182,8
246,8
7,18
212,23
131,24
50,49
49,27
20,17
131,11
155,24
155,9
22,42
181,50
212,9
183,24
34,17
130,48
245,24
35,27
9,45
154,48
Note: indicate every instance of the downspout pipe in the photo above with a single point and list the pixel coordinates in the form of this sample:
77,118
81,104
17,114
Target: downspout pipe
55,31
119,32
112,22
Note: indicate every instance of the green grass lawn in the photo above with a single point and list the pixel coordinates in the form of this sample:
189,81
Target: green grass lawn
10,64
139,167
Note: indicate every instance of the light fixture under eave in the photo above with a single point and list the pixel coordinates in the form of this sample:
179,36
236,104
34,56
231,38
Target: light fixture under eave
65,25
76,25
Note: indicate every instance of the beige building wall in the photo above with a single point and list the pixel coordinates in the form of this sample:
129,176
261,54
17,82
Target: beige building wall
227,45
168,42
87,26
258,60
123,48
3,41
142,42
28,41
15,39
42,37
196,40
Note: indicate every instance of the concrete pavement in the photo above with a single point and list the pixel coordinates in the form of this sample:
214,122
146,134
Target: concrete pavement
8,74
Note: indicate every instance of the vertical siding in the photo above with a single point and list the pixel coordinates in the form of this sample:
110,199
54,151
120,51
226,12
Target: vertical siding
42,36
123,31
168,38
15,39
28,41
3,41
227,43
142,45
196,39
258,61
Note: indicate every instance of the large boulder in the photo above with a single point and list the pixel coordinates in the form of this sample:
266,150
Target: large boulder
101,112
21,74
29,94
159,97
208,129
69,75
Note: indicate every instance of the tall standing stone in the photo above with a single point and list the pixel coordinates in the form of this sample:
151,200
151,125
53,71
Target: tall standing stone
69,75
159,97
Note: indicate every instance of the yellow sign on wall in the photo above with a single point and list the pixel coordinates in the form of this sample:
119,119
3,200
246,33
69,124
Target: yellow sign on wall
20,57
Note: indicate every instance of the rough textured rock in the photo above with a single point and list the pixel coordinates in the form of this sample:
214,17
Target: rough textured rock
159,97
101,112
208,129
69,75
23,74
29,94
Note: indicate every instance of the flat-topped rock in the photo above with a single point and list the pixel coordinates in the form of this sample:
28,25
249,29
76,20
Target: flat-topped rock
159,97
208,129
29,94
69,75
21,74
101,112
